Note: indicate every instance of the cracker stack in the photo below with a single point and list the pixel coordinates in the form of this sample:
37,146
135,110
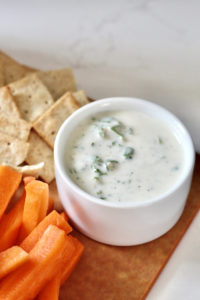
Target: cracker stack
33,106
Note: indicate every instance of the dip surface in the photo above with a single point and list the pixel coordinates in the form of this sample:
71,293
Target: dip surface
124,156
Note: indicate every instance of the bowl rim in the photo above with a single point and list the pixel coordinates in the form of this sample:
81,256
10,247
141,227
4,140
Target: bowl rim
59,167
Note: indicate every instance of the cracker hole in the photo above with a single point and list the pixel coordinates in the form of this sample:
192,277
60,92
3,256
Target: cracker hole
8,144
26,111
53,132
29,96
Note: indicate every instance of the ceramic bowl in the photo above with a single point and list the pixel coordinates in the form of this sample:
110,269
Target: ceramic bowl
123,223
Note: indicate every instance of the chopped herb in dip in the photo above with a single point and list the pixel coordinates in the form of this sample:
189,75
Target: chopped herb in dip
124,156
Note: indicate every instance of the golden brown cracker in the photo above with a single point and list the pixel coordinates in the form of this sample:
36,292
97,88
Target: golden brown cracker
12,70
81,97
48,124
38,152
31,96
7,103
14,127
12,151
58,82
1,74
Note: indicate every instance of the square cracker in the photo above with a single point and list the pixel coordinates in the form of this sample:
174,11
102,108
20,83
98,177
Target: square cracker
12,70
81,97
58,82
7,103
1,74
12,150
38,152
14,127
31,96
49,123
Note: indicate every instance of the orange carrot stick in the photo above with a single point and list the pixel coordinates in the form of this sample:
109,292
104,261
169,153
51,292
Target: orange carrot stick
28,179
11,259
10,224
9,182
69,267
53,218
65,216
35,208
45,260
51,290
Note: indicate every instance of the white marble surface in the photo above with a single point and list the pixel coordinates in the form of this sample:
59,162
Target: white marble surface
143,48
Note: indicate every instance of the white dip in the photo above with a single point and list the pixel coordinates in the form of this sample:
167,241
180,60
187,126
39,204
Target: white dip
124,156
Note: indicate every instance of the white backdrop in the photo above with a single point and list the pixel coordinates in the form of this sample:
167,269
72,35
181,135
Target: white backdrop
143,48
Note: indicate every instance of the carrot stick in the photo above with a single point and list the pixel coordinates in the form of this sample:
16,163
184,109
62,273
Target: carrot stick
53,218
51,290
28,179
10,224
9,182
35,208
45,260
69,267
11,259
64,274
65,216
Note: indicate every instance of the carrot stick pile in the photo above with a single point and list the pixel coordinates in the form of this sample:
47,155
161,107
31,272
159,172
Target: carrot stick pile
37,253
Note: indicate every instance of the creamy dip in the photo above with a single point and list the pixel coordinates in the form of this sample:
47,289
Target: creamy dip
124,156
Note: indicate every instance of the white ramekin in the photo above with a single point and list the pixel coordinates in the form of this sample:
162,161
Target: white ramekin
123,223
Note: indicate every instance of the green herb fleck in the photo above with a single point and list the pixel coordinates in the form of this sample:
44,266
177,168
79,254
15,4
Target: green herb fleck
102,132
160,140
175,168
99,193
97,160
92,144
103,198
93,119
131,131
114,143
128,152
99,172
111,164
116,130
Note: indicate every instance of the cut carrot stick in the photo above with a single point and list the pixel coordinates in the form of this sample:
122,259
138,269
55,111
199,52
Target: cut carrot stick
65,216
35,208
11,259
53,218
10,224
28,179
64,274
51,290
67,270
9,182
50,205
53,250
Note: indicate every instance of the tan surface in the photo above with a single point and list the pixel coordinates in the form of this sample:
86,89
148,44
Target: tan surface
38,152
48,124
31,96
127,273
7,103
58,82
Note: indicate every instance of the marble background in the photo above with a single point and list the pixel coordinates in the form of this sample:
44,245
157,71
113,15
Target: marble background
141,48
